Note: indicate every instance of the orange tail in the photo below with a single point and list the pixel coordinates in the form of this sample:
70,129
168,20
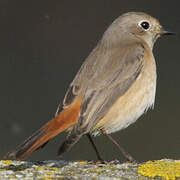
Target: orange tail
61,122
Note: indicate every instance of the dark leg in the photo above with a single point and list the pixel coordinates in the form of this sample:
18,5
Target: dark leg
126,155
68,143
95,148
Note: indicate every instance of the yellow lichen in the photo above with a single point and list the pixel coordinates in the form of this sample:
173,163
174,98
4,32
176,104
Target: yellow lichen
54,168
47,178
11,176
49,173
6,162
96,170
169,170
82,162
40,168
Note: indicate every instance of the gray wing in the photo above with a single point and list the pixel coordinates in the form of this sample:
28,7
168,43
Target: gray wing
103,78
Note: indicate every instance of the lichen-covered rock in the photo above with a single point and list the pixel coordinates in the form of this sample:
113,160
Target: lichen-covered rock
167,169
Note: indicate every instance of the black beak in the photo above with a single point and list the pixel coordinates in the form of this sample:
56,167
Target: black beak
164,32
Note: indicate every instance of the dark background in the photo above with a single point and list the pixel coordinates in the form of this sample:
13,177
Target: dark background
42,45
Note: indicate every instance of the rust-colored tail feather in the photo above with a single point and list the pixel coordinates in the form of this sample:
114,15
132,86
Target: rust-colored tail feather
61,122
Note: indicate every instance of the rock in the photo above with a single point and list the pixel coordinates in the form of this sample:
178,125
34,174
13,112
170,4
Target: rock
87,170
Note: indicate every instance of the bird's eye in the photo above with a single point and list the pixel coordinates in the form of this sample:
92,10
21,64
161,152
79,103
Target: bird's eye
145,25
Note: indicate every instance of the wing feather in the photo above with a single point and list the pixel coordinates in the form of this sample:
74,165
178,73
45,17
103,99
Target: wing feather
102,79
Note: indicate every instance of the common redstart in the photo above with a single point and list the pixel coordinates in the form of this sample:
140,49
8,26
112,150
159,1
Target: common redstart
115,85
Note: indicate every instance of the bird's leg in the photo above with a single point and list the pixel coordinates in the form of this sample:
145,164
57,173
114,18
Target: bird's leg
95,148
126,155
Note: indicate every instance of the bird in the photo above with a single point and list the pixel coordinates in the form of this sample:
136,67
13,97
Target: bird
115,85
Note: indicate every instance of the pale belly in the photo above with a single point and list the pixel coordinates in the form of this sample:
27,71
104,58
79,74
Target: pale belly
130,106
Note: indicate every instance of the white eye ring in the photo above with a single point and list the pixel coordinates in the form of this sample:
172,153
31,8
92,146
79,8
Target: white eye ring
145,25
